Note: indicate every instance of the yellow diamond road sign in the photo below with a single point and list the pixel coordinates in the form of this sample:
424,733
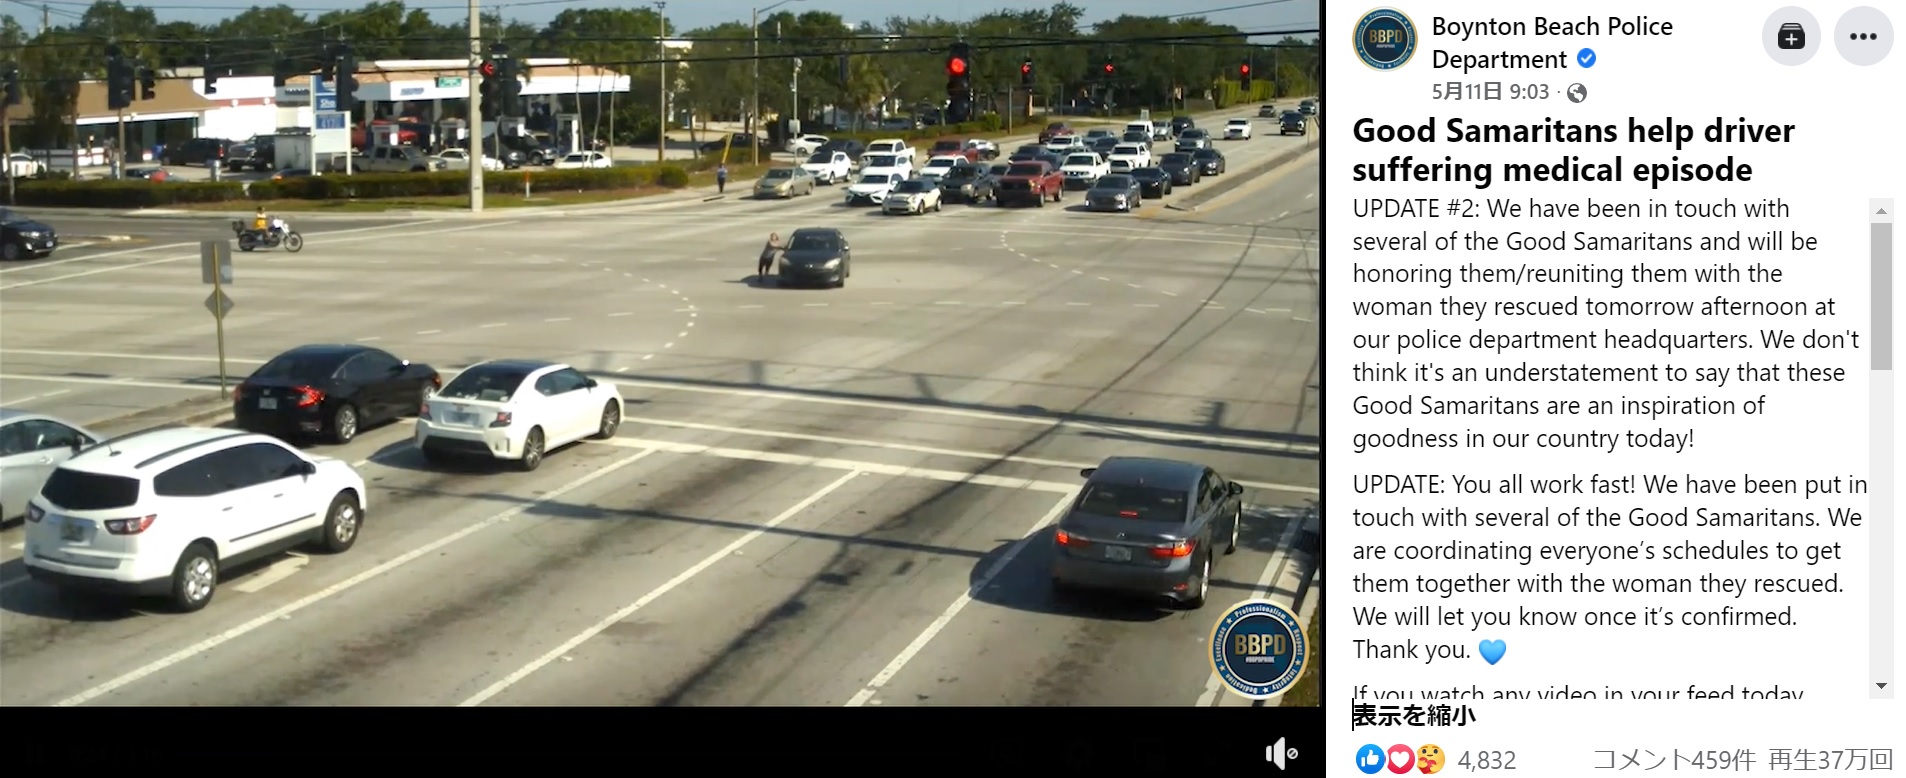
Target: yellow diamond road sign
218,303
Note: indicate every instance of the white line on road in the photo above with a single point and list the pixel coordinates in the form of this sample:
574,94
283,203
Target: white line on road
1078,305
926,637
1144,305
751,307
673,583
278,571
947,302
1282,215
1215,686
40,396
915,449
1103,278
1168,294
1134,286
668,345
1302,319
830,463
428,332
494,325
620,314
342,586
18,547
1078,272
182,257
103,382
813,305
555,319
194,244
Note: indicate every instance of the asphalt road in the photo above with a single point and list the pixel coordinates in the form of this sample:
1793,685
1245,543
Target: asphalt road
819,497
97,238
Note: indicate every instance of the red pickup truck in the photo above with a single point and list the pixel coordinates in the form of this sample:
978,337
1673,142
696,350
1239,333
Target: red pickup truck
978,151
1054,130
1030,183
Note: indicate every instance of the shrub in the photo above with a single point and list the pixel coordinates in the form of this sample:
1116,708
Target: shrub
671,176
366,186
124,194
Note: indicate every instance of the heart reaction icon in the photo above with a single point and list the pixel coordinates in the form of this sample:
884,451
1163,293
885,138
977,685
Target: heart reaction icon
1402,758
1492,650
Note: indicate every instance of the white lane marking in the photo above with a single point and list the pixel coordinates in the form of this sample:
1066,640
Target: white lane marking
1282,215
342,586
494,325
915,449
1254,310
933,629
1078,272
1103,278
668,345
647,357
1168,294
622,370
1311,195
682,334
1277,310
1215,686
751,307
103,382
278,571
831,463
181,258
1013,302
193,244
657,593
1144,305
948,302
813,305
1302,319
1080,305
428,332
1134,286
790,395
18,546
110,355
556,319
40,396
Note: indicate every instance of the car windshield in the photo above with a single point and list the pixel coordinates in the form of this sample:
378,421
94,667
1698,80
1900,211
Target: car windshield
575,158
1192,134
1176,159
1148,173
1114,182
1082,159
885,161
961,171
883,148
1293,116
1028,149
813,241
1240,122
1144,503
947,145
485,383
310,367
9,216
1206,154
1131,151
999,170
780,173
821,159
875,180
911,186
942,162
78,490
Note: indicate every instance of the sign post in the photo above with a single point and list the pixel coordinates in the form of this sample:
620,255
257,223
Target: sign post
215,268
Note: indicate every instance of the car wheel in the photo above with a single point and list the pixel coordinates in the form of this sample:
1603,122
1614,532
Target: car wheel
611,420
1237,522
532,450
341,523
10,251
936,205
1201,586
194,578
1042,201
344,424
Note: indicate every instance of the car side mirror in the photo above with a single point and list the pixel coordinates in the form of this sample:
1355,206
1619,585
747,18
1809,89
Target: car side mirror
1234,488
589,383
308,468
1087,473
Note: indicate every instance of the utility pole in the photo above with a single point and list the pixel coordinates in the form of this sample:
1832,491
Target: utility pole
754,109
474,80
794,104
661,45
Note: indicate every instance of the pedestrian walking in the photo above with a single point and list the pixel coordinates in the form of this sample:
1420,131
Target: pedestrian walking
766,263
721,178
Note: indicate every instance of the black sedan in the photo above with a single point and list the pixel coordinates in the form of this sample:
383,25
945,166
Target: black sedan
24,237
1148,527
1116,192
966,184
1210,161
1152,182
1184,171
331,390
817,255
1291,123
1180,124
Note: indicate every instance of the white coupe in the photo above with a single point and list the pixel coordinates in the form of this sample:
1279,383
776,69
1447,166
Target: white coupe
584,160
518,410
1237,129
459,159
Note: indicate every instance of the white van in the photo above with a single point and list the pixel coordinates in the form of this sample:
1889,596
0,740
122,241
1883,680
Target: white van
1144,126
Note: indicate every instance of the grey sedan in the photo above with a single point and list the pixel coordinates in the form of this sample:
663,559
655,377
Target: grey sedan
785,182
31,447
1117,192
1147,527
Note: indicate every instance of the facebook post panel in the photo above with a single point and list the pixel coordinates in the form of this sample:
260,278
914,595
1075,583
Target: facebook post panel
1609,331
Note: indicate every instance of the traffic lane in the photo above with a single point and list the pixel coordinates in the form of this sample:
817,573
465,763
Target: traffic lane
1044,649
786,619
57,646
87,269
96,403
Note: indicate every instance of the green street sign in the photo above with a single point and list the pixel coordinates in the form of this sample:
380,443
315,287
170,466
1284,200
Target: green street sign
449,82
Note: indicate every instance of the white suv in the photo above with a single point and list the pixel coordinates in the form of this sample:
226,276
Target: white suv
161,512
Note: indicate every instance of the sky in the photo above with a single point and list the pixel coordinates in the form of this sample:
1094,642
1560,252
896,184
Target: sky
691,14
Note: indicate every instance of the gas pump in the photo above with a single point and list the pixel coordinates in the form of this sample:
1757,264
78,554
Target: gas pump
568,135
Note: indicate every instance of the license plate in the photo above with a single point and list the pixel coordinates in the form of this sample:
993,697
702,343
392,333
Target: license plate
1118,553
267,403
73,530
465,419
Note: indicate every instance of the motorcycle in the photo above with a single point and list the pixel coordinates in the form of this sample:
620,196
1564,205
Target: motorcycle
250,239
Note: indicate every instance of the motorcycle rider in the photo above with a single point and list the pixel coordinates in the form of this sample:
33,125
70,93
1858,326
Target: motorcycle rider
261,223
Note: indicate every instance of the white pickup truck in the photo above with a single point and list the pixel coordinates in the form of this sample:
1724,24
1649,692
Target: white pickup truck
830,167
890,147
1083,169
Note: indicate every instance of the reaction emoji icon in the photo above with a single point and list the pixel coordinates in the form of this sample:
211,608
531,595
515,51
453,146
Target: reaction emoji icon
1402,758
1429,759
1492,650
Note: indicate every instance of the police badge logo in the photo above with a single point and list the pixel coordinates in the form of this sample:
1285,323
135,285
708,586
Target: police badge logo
1259,649
1385,39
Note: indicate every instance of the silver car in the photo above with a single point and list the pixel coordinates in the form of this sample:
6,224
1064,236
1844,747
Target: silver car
1116,192
785,182
31,447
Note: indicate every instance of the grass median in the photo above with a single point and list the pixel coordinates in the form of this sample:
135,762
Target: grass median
739,175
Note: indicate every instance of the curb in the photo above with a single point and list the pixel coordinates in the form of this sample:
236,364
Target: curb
100,238
1192,203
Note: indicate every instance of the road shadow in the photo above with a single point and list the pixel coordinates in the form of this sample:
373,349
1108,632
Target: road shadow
1025,584
404,455
46,601
757,282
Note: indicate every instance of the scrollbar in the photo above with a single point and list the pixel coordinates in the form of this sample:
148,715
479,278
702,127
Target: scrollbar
1882,682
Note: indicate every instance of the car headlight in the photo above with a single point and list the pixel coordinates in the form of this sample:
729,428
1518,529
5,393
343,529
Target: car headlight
831,264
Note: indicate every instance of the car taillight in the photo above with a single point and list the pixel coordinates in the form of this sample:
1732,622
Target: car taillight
1070,540
241,391
502,419
130,526
308,396
1181,548
423,411
34,512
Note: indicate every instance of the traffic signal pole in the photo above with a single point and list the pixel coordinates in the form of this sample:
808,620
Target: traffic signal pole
474,82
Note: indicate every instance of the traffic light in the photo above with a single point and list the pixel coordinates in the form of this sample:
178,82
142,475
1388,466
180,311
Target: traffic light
488,87
211,72
959,82
1244,76
12,79
119,80
148,84
1110,70
344,77
282,72
1025,74
844,75
509,72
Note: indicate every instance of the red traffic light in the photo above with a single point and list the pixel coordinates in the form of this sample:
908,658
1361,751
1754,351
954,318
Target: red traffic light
956,66
488,69
1245,69
1025,68
1108,67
